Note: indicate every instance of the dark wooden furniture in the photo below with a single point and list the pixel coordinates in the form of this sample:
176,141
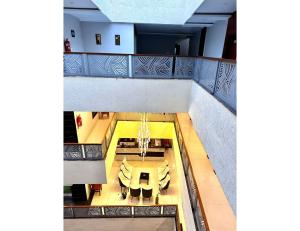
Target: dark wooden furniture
135,192
147,193
144,176
104,115
96,188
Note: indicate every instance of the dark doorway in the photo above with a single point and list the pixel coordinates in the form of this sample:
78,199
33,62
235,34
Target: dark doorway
202,41
229,51
177,49
70,133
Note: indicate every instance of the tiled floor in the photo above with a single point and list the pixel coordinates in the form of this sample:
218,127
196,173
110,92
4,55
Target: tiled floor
110,194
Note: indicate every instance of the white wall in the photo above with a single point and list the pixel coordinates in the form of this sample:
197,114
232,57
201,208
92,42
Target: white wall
82,172
214,39
121,95
72,23
108,32
216,127
124,223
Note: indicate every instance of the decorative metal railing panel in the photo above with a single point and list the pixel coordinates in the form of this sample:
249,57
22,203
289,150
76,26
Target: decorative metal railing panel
217,76
184,67
114,211
83,152
169,210
225,87
185,160
194,200
205,73
120,211
199,221
73,64
192,188
99,212
108,65
85,212
152,66
73,152
147,211
93,151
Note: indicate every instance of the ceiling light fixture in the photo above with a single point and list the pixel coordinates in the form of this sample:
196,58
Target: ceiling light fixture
143,135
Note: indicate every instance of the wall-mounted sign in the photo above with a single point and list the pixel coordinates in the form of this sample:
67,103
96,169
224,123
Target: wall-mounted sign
73,33
117,39
98,39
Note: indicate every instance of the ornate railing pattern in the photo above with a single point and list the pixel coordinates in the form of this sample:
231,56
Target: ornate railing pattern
184,67
74,65
82,152
225,86
217,76
205,73
73,212
152,66
194,200
101,65
108,65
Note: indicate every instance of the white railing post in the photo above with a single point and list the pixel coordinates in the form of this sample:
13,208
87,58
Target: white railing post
130,65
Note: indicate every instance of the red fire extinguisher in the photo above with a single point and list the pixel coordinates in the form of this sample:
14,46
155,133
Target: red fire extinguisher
78,121
67,45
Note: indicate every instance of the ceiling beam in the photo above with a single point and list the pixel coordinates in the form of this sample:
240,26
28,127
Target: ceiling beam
214,14
80,8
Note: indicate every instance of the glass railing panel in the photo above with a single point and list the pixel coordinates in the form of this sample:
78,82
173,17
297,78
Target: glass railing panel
152,66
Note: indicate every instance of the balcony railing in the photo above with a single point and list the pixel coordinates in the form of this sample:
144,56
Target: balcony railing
195,200
88,151
73,212
217,76
83,152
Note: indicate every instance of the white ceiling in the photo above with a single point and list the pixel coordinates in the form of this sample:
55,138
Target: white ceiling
87,15
217,6
204,16
148,11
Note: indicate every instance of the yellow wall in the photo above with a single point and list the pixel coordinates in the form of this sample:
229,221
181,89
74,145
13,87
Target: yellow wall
87,125
88,190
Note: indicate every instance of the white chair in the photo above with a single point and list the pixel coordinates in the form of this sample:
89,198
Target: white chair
127,165
125,172
162,175
164,184
163,166
124,180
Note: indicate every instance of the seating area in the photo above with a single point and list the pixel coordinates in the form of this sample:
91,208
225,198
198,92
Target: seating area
141,186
